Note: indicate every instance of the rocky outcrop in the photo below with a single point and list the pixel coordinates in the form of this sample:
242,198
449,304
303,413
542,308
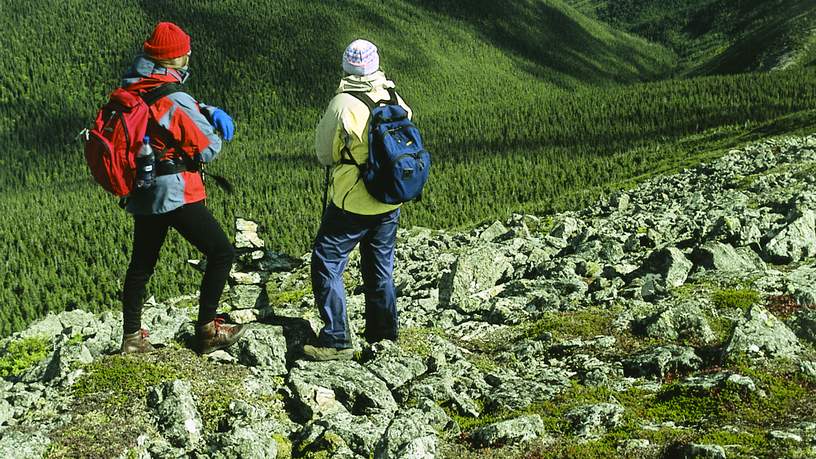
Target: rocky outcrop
532,332
762,335
177,414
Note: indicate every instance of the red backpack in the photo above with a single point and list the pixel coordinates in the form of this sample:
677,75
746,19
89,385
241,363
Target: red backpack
111,145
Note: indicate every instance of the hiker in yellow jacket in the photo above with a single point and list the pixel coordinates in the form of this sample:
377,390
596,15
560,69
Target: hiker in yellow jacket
353,215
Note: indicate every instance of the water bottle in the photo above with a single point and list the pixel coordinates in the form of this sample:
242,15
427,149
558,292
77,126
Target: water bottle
145,166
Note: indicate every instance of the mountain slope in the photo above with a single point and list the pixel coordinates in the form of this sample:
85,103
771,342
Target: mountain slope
538,108
719,36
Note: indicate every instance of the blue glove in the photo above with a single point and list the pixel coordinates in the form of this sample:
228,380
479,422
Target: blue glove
223,123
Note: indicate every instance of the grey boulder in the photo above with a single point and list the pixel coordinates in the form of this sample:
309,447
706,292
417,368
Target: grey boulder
660,361
762,335
262,346
516,430
178,416
592,421
321,386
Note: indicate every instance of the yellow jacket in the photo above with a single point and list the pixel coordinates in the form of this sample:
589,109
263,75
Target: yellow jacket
345,124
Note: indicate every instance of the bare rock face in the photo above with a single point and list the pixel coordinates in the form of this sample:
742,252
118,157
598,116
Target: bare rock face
246,237
761,335
723,257
511,431
318,385
592,421
685,321
473,272
670,263
413,433
177,414
251,434
660,361
795,241
262,346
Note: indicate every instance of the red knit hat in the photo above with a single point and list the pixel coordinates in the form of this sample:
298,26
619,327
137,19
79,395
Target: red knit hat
167,42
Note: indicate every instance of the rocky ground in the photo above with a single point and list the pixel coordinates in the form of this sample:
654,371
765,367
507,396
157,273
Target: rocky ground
677,319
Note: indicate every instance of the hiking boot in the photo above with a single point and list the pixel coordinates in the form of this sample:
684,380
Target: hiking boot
327,353
216,335
136,343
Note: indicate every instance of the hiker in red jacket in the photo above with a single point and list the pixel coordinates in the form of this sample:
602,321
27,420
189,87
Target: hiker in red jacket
183,135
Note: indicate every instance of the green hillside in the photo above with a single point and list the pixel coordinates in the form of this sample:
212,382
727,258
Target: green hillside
719,36
527,105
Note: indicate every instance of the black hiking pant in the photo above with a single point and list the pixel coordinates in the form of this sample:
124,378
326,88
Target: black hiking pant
198,226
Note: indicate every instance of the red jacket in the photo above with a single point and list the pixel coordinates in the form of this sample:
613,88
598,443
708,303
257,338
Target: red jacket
188,122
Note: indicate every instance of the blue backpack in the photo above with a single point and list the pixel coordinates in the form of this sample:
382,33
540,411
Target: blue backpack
398,164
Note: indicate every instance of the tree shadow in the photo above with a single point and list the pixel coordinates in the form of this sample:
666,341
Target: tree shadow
288,65
47,128
550,39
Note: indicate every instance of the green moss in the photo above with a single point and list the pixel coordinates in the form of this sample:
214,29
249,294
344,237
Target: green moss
786,395
735,298
23,354
187,303
787,400
689,291
83,437
117,387
213,404
739,442
586,323
415,339
318,455
722,327
119,379
76,339
482,362
284,446
323,448
279,298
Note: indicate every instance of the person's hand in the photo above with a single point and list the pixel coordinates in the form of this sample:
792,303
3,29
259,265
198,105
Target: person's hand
223,123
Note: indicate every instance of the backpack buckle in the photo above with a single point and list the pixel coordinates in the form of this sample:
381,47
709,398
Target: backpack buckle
84,134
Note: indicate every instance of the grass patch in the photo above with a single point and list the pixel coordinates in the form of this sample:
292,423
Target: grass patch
741,442
284,446
281,298
735,299
586,323
23,354
119,379
116,388
83,437
722,327
415,339
788,397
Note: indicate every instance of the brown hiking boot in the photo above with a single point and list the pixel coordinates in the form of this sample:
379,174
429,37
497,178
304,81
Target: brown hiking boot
136,343
216,335
322,354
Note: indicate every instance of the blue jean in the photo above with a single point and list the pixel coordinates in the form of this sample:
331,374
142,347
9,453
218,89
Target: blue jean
339,233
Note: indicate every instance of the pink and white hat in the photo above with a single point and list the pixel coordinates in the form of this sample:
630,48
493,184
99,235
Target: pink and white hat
361,58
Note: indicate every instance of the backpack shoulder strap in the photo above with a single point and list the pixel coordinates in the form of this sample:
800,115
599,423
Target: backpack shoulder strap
364,98
152,96
392,94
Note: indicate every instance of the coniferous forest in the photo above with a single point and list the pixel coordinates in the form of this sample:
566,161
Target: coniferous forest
531,106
